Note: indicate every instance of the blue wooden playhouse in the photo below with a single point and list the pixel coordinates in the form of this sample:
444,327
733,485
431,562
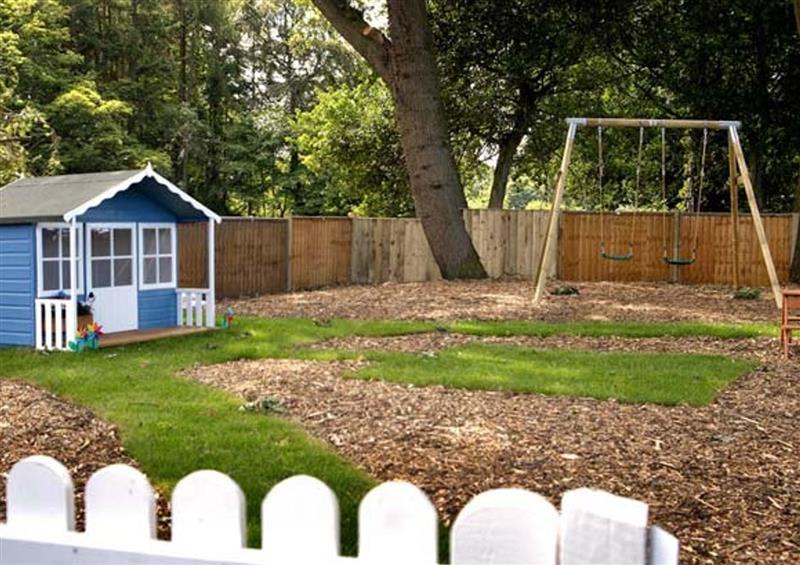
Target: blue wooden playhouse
103,240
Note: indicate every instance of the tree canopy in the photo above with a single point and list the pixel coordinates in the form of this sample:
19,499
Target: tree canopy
261,107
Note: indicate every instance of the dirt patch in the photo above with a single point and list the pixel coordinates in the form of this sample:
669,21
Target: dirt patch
725,479
35,422
511,300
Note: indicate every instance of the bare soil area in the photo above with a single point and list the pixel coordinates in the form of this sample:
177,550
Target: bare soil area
512,300
35,422
725,479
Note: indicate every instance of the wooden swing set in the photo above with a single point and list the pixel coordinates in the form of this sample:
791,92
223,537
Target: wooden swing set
737,170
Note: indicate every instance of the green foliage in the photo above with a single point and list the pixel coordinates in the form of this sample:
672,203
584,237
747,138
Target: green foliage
93,130
565,290
747,293
628,377
349,139
258,107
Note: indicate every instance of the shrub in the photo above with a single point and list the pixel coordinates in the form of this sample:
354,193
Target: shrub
747,293
565,290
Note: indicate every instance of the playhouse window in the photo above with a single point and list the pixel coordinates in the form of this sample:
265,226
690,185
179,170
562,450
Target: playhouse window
157,267
54,271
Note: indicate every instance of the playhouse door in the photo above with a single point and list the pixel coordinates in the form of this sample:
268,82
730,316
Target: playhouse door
112,276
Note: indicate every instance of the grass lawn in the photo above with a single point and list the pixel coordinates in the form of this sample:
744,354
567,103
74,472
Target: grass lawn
618,329
173,426
662,378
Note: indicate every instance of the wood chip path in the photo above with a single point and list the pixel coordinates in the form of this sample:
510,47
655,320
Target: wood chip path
725,478
511,300
35,422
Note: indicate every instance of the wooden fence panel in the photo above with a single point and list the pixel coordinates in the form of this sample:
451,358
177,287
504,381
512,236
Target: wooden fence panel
715,261
391,249
251,256
321,251
509,242
192,253
579,247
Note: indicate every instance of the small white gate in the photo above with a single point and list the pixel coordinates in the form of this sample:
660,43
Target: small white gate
300,524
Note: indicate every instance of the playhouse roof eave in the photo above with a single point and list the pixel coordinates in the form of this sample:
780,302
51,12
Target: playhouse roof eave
67,197
127,183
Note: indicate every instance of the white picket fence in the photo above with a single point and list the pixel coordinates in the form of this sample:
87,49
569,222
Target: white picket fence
397,524
55,323
195,307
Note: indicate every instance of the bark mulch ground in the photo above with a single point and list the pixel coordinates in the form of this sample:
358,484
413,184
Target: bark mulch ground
35,422
725,479
511,300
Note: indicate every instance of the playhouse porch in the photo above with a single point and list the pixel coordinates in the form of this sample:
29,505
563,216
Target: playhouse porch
56,321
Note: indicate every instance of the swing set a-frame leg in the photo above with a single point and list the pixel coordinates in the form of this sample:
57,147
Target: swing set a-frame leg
548,253
757,221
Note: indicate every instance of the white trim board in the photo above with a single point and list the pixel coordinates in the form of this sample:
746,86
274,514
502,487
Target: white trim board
40,292
126,184
173,254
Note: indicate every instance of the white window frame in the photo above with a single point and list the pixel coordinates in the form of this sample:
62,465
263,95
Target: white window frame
40,292
174,255
112,226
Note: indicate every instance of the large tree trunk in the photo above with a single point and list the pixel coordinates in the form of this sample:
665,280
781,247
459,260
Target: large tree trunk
407,64
435,183
797,14
794,272
502,169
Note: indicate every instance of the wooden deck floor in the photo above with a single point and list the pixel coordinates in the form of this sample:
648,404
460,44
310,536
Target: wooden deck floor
137,336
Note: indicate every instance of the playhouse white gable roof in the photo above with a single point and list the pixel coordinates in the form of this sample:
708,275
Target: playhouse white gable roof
64,197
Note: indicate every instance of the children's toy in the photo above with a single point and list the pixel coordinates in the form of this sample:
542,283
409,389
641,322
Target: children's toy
87,337
227,319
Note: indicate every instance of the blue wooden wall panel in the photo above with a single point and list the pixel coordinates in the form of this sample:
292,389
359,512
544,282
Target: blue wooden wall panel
158,308
17,284
129,206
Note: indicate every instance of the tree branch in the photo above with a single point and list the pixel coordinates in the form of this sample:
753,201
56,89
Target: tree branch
368,41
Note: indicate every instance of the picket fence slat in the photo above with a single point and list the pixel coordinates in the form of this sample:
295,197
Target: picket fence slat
397,524
120,504
505,526
599,527
664,547
40,495
208,510
300,524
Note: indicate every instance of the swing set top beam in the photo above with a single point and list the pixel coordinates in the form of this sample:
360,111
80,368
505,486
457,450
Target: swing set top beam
650,123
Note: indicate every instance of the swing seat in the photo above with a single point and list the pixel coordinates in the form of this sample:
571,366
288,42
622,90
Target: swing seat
679,261
611,257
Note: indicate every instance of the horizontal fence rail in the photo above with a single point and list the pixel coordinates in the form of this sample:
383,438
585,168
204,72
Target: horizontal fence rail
257,256
397,524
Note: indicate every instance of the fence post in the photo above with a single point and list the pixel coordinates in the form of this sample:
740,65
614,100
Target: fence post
289,222
510,525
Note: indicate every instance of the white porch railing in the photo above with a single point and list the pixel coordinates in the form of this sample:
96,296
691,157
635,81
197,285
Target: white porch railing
397,524
195,307
56,323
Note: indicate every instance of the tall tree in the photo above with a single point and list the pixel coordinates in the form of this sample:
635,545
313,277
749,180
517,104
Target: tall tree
500,61
406,61
794,274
